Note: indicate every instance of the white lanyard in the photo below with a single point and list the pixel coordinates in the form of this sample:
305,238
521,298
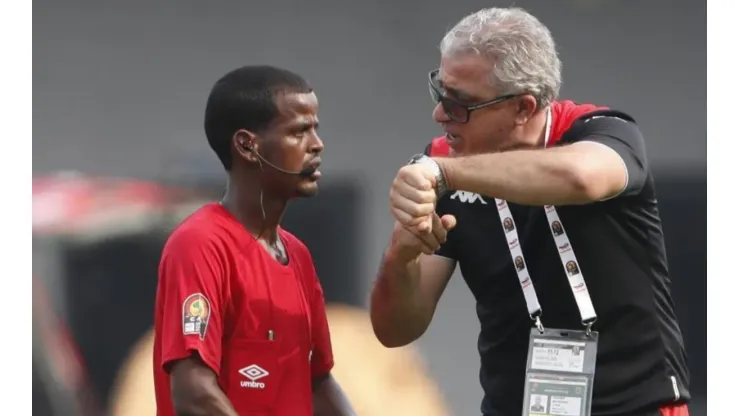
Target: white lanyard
567,257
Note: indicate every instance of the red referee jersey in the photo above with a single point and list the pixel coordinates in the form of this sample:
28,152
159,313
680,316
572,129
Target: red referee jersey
259,325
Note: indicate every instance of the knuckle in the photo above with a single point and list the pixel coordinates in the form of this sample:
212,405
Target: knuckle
423,210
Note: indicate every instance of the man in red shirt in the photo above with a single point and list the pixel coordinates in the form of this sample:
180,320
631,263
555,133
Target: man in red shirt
240,324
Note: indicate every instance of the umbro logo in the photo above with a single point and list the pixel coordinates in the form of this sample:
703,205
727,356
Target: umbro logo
253,373
468,197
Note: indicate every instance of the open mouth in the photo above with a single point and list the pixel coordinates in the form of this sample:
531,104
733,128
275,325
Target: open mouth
452,140
315,164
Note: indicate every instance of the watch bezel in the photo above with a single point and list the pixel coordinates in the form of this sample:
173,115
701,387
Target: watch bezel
441,187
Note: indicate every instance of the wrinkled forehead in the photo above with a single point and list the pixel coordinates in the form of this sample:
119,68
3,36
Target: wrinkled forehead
468,74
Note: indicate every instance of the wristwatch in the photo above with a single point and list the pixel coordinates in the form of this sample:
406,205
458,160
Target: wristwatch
441,186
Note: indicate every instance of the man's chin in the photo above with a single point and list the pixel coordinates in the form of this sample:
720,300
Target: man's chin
307,190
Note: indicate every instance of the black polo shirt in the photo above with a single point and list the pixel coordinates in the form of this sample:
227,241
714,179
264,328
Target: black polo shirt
641,363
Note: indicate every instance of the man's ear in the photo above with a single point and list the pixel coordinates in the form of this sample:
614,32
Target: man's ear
526,107
245,145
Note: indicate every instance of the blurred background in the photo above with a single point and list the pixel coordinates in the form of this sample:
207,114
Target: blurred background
120,157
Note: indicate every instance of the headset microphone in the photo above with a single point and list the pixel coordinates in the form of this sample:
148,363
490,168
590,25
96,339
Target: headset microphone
304,173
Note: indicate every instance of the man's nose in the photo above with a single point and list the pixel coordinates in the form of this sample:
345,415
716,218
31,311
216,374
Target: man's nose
317,145
439,115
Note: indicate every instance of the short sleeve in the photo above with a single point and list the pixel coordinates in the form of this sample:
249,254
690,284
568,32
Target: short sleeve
624,137
322,357
191,279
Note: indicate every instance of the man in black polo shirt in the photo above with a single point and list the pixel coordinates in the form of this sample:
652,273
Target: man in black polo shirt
574,182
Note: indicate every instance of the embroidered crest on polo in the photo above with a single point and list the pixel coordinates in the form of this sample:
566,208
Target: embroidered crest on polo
196,312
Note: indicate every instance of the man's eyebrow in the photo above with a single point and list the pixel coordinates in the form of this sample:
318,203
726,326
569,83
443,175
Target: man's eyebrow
306,125
459,94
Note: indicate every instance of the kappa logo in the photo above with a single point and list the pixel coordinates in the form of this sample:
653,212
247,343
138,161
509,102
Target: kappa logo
468,197
565,247
253,373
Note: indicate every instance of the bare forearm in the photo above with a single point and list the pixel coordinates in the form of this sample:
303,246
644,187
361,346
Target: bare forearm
209,402
530,177
330,400
397,311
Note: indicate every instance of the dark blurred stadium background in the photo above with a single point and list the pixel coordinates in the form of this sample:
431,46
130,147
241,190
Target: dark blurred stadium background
119,91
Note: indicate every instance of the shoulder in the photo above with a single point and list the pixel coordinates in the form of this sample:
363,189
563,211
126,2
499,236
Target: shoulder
295,243
298,251
295,246
201,231
611,123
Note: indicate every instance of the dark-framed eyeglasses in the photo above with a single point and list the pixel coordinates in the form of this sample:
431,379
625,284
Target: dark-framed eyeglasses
454,109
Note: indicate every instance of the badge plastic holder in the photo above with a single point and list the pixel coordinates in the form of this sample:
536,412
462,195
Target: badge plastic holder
560,372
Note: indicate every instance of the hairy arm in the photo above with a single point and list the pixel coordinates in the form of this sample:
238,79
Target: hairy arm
573,174
608,160
328,398
195,390
405,296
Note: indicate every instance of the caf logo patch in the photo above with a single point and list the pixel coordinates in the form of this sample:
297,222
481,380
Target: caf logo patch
196,311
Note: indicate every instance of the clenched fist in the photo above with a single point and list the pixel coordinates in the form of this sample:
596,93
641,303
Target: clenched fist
409,244
413,197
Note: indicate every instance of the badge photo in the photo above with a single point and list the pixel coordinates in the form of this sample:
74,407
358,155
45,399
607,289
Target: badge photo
538,403
196,311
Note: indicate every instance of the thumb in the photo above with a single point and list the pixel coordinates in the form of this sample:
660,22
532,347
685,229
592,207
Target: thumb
448,222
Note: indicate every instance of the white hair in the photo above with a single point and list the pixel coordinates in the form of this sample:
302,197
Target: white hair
518,45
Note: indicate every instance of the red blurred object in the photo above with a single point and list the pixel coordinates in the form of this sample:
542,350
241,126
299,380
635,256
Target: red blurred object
76,204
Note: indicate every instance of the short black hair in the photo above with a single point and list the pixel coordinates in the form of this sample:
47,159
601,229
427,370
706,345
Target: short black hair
245,99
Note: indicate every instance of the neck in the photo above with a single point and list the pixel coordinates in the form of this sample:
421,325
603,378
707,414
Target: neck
531,135
539,128
245,201
546,128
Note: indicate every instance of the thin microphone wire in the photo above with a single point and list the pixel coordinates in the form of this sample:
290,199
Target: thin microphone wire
262,204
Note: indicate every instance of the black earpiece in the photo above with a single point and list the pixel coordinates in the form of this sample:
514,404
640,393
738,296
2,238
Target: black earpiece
247,146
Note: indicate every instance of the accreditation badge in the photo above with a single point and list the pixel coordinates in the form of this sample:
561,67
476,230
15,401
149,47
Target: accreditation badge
560,372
